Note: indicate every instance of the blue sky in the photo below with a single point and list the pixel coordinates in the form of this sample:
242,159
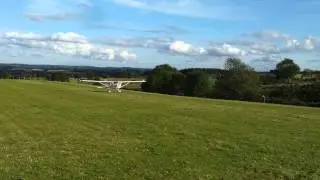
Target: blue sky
145,33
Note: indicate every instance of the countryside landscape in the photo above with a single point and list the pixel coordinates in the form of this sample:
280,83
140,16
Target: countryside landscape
56,127
159,90
63,131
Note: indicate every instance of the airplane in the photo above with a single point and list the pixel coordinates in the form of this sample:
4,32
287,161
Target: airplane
112,85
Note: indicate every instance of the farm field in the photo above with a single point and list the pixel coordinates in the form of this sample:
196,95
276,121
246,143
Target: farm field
65,131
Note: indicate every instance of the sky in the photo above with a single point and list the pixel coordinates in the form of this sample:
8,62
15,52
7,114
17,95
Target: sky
146,33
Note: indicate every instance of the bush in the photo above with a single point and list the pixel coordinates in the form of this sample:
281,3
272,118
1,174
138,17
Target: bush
58,76
197,84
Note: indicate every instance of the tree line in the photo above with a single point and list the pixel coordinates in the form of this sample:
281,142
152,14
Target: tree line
23,71
286,84
239,81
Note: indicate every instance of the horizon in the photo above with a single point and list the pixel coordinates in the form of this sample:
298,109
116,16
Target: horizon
119,67
146,33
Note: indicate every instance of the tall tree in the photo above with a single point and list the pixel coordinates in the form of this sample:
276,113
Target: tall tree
286,69
177,83
5,75
234,64
198,84
159,79
239,81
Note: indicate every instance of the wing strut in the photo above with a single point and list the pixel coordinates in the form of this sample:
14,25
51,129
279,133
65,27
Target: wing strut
113,85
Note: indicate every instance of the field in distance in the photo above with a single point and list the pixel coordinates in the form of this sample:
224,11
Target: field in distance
65,131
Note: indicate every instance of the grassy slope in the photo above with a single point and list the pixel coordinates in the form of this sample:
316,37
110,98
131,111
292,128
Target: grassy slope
53,131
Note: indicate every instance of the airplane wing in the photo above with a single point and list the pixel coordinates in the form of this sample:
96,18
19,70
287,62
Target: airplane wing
132,81
95,81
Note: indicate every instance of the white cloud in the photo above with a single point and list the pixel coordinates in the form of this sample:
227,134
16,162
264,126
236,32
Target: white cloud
310,43
307,44
273,42
69,37
158,43
269,42
17,35
265,63
292,43
225,50
68,43
264,48
183,48
268,35
189,8
179,47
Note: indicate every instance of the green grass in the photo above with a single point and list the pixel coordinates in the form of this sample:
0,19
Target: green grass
64,131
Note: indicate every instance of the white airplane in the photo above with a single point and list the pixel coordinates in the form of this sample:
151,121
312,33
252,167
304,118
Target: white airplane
112,85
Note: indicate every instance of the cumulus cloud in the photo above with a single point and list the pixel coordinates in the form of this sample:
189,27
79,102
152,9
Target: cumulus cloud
264,48
265,63
225,50
306,45
69,37
69,43
273,42
267,35
310,43
74,44
157,43
180,47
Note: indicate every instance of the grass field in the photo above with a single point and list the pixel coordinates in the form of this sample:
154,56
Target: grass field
59,131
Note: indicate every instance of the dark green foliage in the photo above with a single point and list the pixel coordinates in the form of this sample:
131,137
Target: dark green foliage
91,74
157,82
268,78
294,94
168,80
177,83
241,85
164,68
197,84
160,80
58,76
238,82
234,64
210,71
5,75
75,71
286,69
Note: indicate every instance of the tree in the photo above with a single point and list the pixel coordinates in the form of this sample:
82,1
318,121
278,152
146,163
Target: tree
177,83
91,74
287,69
58,76
5,75
159,79
197,84
234,64
239,81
